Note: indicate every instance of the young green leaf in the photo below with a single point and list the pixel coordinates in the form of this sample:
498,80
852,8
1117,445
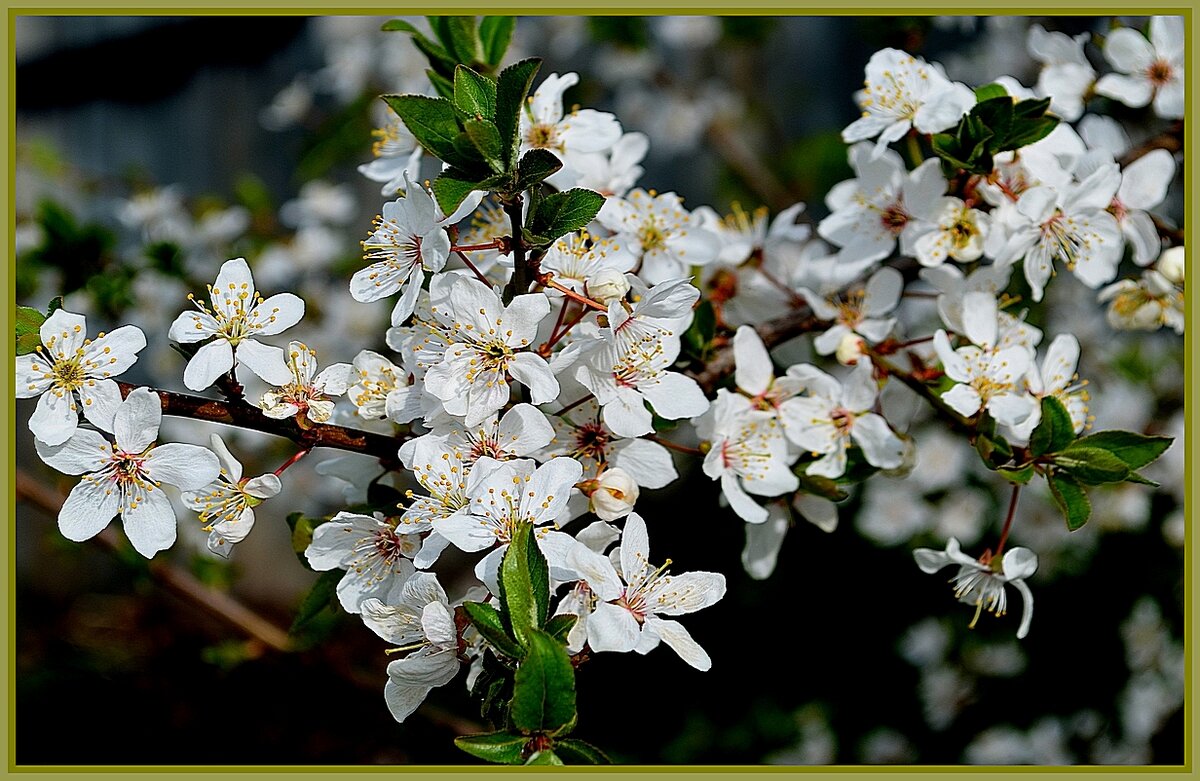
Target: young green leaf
1055,430
463,39
29,324
1135,450
524,584
474,94
503,748
544,757
989,91
495,32
443,85
323,594
534,167
1019,476
512,87
559,627
544,687
453,186
1091,465
487,620
1071,499
486,139
565,212
431,121
580,752
399,25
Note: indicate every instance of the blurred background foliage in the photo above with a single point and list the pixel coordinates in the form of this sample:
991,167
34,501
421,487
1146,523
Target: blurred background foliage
147,154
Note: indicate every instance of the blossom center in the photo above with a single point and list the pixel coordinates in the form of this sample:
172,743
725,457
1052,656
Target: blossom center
1160,72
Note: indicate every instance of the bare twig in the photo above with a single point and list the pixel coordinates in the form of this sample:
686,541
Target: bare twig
772,332
242,415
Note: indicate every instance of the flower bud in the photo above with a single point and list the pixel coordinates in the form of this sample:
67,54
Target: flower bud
615,494
607,285
1170,265
850,349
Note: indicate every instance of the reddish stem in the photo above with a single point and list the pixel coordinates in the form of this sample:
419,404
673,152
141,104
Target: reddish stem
471,266
548,281
674,446
299,455
1012,513
493,244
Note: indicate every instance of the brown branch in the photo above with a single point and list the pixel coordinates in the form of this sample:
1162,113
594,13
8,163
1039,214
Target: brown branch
1170,139
772,332
177,581
242,415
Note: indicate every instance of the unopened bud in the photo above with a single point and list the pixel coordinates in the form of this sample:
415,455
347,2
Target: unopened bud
850,349
615,494
1171,265
607,285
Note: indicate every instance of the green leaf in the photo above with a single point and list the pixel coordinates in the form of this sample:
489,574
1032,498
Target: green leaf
431,121
559,627
443,85
544,757
1134,477
565,212
56,304
580,752
495,33
29,324
462,41
512,87
1033,108
544,687
453,186
1019,476
474,94
322,595
302,528
487,620
503,748
994,450
524,585
1071,499
1135,450
1026,132
1091,465
989,91
996,115
698,338
1055,430
822,487
399,25
534,167
486,139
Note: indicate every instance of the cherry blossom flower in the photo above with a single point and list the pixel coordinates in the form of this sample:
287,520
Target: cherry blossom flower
614,172
382,390
69,372
419,619
631,601
580,433
858,310
490,342
988,377
883,204
1149,70
1144,304
581,131
981,583
374,554
960,235
834,414
1066,74
903,92
519,433
1057,378
578,260
748,453
125,477
226,505
656,228
397,158
238,315
306,397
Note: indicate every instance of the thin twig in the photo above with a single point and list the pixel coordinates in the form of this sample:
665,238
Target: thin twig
242,415
478,274
179,582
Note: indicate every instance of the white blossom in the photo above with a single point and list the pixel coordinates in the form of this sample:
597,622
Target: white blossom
375,556
306,397
1148,70
226,505
981,583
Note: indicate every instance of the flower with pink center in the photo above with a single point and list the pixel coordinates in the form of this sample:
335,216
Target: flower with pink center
836,414
376,558
980,582
226,505
125,477
306,397
631,601
580,433
1149,70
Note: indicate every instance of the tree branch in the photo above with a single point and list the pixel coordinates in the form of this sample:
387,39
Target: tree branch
242,415
772,332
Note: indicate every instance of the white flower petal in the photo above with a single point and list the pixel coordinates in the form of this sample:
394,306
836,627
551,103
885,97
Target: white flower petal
210,362
150,524
136,422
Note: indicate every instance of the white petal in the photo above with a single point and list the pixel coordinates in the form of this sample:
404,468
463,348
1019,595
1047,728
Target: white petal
187,467
674,635
403,700
533,371
100,403
88,509
85,451
264,360
740,502
136,422
676,396
150,525
963,399
649,462
1133,91
612,628
880,446
754,368
55,418
277,313
210,362
763,541
1128,51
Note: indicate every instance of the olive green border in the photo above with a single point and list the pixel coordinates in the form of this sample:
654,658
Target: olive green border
544,7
